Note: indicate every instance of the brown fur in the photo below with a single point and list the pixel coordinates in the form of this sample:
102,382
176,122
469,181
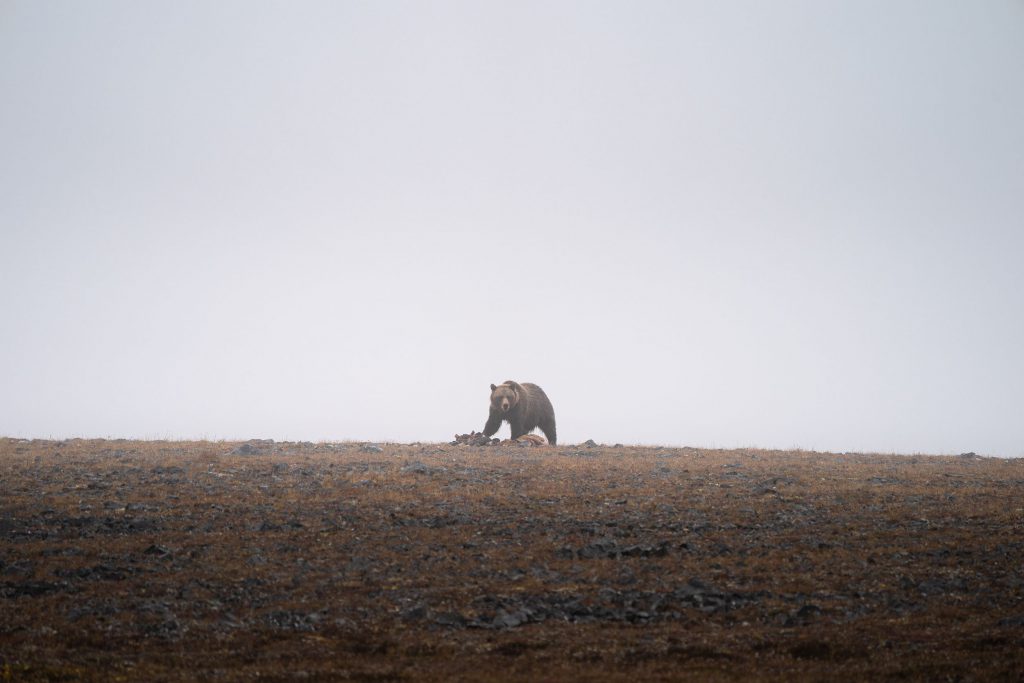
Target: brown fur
524,406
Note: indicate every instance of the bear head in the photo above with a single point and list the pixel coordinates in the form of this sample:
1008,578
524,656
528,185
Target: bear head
504,397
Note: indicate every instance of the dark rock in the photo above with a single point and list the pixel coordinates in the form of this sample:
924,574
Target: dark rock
451,619
420,468
939,586
415,613
507,620
660,550
473,439
695,585
288,620
25,567
165,628
607,547
359,564
99,572
173,469
30,588
62,552
808,611
91,609
139,524
601,548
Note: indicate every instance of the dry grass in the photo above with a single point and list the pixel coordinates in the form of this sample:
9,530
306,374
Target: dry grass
187,560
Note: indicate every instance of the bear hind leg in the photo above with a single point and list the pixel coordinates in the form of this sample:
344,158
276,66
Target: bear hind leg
548,427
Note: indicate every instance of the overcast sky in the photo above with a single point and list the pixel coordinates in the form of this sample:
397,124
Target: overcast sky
785,224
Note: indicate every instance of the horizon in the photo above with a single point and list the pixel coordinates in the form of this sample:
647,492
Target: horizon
504,441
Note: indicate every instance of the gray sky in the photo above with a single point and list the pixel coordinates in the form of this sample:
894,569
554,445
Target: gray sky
787,224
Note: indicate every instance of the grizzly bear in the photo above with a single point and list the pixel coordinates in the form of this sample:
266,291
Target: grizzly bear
524,406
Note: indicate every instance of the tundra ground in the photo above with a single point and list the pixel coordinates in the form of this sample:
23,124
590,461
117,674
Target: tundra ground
182,561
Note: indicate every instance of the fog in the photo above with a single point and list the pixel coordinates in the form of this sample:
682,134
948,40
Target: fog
779,225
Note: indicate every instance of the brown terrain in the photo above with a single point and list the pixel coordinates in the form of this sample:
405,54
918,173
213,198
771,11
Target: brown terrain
182,561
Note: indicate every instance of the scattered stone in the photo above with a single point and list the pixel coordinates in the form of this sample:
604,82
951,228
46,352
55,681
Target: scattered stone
24,567
602,548
371,448
288,620
589,443
99,572
451,619
885,480
506,620
421,468
30,588
659,550
611,549
414,613
474,439
808,611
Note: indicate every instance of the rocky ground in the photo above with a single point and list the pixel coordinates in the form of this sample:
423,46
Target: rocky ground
180,561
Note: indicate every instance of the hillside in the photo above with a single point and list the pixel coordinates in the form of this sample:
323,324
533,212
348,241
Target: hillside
175,561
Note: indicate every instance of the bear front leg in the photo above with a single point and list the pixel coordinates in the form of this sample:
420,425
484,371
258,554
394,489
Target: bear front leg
493,423
517,428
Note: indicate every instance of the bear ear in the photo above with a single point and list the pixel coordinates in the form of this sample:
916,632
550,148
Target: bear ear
493,387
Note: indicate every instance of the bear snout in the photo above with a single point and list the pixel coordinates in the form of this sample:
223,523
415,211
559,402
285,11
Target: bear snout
505,406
